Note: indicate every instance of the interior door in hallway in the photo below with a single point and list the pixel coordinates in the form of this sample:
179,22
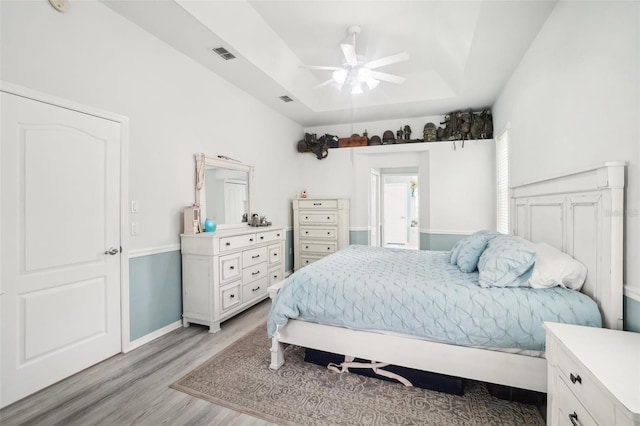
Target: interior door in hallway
60,243
395,213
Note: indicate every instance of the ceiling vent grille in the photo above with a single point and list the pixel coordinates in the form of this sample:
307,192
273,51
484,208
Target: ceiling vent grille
285,98
223,53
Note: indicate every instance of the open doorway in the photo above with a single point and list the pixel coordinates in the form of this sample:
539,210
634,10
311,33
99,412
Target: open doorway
399,209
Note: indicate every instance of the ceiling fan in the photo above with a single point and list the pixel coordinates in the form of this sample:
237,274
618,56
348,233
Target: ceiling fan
355,74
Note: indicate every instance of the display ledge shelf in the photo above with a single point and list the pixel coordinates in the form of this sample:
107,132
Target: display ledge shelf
410,146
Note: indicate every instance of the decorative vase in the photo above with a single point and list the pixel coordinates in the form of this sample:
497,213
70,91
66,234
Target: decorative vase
209,225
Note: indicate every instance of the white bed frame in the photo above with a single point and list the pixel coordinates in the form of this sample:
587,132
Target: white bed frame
579,212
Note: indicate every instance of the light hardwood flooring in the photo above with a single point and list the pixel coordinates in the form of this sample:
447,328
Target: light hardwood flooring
133,388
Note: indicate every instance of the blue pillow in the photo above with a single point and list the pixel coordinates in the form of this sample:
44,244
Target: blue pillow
506,262
471,249
455,251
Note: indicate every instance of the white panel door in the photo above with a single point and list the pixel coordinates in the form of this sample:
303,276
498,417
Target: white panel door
395,213
60,184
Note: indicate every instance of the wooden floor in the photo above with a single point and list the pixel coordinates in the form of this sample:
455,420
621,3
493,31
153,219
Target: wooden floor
133,388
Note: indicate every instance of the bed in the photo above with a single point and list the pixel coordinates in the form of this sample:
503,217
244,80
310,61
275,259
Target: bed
579,213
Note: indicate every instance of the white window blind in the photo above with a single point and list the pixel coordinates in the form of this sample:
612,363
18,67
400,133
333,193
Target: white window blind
502,177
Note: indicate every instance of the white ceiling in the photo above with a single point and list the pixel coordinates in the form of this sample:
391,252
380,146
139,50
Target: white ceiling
461,52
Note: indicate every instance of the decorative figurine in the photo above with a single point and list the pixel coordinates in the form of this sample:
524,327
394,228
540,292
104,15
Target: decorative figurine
407,132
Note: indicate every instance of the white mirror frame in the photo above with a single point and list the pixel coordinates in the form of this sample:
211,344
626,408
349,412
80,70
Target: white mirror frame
201,198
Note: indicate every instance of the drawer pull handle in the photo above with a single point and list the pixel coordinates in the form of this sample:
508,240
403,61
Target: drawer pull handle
275,276
255,257
255,273
328,248
228,244
317,204
255,289
574,419
328,233
306,232
575,379
251,239
275,254
262,237
231,296
232,267
328,217
277,235
306,247
306,217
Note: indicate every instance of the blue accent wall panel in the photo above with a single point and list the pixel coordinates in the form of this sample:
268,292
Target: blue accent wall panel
155,292
359,237
631,315
441,242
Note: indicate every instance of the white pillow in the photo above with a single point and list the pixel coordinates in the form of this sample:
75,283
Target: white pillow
553,268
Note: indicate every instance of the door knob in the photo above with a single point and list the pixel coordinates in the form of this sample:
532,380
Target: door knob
112,251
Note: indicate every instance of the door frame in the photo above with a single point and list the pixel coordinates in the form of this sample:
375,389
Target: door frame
395,171
124,186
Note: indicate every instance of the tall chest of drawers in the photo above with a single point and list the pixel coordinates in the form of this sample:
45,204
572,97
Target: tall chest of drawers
226,272
320,227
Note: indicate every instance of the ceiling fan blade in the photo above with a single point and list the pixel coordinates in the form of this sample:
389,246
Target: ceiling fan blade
320,67
349,51
387,60
326,83
387,77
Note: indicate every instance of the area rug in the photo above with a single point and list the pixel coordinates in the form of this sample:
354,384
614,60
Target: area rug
300,393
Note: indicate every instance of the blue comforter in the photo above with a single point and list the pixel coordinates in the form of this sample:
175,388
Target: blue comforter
421,293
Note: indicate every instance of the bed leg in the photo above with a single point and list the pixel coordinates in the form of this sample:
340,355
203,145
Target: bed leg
277,354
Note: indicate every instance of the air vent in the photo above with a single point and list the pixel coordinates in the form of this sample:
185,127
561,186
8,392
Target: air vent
223,53
285,98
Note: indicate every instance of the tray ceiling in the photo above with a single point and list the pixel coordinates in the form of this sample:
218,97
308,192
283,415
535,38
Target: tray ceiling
461,52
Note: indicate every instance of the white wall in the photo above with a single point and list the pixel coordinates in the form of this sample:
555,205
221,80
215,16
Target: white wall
176,107
456,188
574,100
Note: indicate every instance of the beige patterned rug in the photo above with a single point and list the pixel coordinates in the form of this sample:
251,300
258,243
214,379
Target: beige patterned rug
300,393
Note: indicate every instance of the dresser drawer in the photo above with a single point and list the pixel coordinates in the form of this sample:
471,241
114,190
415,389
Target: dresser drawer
254,256
230,296
254,272
265,237
275,253
329,233
582,383
230,267
237,241
318,247
307,260
255,289
326,218
317,204
569,407
275,275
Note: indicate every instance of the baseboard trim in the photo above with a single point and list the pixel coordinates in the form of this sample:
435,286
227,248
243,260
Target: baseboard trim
152,336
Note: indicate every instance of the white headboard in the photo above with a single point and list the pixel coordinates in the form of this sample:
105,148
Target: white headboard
580,213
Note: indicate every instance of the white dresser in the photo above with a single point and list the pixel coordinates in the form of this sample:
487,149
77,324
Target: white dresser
320,227
593,376
228,271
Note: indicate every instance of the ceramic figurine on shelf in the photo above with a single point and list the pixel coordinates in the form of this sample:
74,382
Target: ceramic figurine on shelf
304,194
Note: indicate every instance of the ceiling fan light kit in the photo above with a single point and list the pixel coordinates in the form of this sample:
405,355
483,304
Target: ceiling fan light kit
356,76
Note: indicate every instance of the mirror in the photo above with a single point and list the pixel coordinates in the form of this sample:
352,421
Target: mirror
224,190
